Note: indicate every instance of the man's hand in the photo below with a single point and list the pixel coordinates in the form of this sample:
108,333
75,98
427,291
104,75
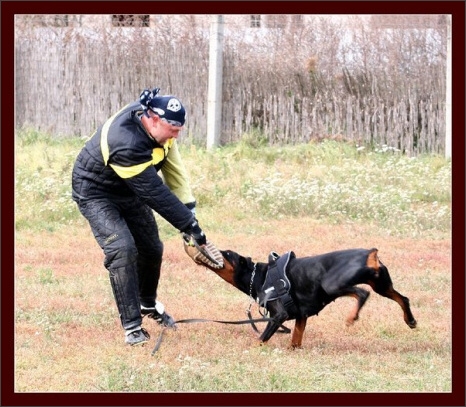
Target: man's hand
195,231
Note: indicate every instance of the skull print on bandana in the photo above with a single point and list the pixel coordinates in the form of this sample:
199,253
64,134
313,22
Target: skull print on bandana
174,105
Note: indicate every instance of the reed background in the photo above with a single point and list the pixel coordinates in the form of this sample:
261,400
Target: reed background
377,84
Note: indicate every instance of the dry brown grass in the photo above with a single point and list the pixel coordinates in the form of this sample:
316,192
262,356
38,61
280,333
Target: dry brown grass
68,337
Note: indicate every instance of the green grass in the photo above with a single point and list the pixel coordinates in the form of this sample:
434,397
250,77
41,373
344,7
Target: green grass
252,198
332,181
43,181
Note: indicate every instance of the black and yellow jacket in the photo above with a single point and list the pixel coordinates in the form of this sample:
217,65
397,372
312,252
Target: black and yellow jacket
121,161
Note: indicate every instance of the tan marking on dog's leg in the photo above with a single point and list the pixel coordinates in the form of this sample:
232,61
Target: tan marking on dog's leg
298,332
398,298
354,315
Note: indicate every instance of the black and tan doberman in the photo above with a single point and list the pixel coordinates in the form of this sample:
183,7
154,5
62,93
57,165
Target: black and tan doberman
315,282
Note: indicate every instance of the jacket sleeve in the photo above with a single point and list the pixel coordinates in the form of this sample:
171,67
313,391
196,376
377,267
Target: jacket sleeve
149,187
176,176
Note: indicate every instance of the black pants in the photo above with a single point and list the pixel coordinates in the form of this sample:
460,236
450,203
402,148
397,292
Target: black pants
128,235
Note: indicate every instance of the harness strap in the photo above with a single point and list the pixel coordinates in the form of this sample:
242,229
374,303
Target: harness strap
276,284
282,328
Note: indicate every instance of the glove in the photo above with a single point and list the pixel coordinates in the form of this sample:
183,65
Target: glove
196,233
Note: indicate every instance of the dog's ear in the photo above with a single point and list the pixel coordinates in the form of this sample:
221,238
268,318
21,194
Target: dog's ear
242,261
246,263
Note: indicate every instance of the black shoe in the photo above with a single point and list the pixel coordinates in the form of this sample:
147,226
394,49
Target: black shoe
137,337
158,314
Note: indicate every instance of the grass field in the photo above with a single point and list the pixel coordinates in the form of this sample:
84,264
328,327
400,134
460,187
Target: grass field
252,199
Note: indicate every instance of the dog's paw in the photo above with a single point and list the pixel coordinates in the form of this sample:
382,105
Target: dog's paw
351,319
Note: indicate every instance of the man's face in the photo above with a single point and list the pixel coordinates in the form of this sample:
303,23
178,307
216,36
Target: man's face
162,131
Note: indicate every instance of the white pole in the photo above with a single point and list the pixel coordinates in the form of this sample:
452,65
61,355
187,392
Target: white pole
448,113
214,101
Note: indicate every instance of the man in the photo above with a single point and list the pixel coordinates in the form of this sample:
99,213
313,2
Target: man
116,185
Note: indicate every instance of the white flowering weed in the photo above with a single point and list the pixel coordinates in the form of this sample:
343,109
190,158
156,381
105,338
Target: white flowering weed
400,193
335,182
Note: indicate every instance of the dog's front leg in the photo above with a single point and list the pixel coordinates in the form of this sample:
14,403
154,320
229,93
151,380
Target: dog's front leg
278,314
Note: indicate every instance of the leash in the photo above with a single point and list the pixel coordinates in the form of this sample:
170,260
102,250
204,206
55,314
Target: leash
250,319
194,320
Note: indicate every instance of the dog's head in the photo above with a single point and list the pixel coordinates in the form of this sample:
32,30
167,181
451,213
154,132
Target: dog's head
237,262
233,265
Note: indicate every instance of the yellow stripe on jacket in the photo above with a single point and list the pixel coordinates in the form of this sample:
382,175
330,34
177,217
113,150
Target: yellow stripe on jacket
158,155
173,170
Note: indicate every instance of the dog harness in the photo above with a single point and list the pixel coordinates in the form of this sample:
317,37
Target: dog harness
276,284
